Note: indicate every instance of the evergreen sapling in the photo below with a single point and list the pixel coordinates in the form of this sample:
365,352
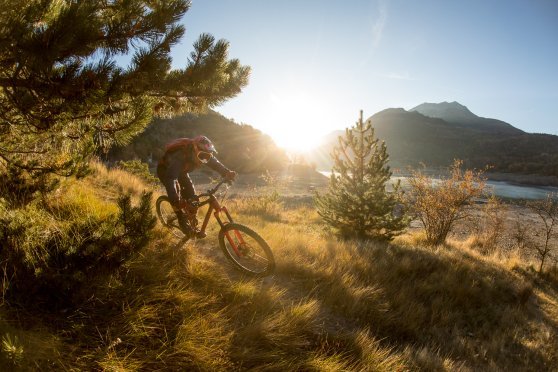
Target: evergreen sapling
357,203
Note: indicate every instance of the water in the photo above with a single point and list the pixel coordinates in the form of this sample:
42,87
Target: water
504,189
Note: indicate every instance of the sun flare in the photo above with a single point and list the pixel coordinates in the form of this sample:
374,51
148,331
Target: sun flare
294,122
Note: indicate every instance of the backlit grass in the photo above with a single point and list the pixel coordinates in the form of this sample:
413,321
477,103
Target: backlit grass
331,306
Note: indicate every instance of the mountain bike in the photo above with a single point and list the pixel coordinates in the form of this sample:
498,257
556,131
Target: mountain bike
244,248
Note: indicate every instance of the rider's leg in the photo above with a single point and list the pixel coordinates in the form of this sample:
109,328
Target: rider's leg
187,191
172,187
169,178
187,195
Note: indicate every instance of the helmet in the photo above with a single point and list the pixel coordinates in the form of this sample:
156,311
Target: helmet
204,144
204,149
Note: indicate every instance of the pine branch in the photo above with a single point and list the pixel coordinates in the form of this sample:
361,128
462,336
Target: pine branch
60,84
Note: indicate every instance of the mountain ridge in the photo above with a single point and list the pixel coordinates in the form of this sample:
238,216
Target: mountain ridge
444,110
414,138
458,114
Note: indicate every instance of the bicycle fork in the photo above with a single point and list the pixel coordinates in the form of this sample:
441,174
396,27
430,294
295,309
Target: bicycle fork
234,245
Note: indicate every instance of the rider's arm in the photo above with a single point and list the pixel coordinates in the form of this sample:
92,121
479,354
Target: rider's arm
218,167
225,172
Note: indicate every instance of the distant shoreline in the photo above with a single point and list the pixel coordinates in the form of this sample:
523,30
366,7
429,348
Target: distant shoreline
532,180
502,186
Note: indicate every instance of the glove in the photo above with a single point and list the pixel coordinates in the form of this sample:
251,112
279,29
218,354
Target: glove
230,176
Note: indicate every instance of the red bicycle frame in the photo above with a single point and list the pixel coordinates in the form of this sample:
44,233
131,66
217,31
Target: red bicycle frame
217,208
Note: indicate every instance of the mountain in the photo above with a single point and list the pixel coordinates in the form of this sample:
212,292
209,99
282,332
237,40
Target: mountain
436,134
459,115
450,112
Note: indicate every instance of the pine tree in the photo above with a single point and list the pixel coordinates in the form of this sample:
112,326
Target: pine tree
63,94
357,203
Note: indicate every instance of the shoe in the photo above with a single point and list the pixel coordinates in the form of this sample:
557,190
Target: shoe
183,223
193,222
189,206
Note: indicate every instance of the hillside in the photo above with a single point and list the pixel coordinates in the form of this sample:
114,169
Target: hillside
435,134
240,146
333,305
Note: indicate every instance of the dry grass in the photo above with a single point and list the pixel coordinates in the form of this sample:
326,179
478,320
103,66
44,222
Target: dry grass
332,306
112,182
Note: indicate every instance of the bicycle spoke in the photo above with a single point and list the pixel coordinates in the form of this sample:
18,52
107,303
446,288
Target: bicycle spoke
260,258
251,253
247,252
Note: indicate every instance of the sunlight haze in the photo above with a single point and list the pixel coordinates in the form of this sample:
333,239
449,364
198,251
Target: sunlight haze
294,118
315,64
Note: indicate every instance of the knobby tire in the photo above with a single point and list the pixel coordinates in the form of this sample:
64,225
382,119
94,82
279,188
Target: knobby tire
258,251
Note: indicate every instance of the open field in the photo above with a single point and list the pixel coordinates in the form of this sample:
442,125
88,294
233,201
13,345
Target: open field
332,305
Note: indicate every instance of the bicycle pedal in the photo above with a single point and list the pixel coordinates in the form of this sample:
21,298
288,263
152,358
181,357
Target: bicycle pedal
200,234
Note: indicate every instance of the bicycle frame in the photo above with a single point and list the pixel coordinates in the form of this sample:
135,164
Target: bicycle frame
217,208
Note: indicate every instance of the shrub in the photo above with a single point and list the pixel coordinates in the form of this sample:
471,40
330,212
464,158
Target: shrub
547,211
439,204
265,202
267,205
50,249
19,188
490,225
140,169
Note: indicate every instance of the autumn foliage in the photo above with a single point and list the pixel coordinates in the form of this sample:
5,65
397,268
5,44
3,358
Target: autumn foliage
438,204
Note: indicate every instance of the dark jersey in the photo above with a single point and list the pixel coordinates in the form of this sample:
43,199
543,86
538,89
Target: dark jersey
182,159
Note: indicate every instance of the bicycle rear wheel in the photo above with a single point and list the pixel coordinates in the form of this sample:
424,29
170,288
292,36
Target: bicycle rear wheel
248,251
166,215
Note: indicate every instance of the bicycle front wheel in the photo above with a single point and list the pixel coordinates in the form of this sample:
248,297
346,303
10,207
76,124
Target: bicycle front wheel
248,251
166,215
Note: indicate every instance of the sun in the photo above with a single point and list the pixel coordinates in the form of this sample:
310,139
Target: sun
296,139
294,121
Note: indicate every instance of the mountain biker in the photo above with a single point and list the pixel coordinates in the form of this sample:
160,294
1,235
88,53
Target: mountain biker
182,156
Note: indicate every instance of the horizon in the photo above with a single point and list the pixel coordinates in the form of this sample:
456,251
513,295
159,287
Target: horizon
316,64
319,138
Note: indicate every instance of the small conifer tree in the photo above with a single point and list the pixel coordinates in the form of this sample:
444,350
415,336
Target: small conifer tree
357,203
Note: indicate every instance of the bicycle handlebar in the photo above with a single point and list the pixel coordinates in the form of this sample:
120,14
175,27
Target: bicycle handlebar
214,189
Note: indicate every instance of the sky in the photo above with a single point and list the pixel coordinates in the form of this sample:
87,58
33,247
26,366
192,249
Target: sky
316,63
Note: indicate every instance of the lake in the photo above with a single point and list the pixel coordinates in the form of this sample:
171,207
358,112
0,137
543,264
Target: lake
507,190
504,189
